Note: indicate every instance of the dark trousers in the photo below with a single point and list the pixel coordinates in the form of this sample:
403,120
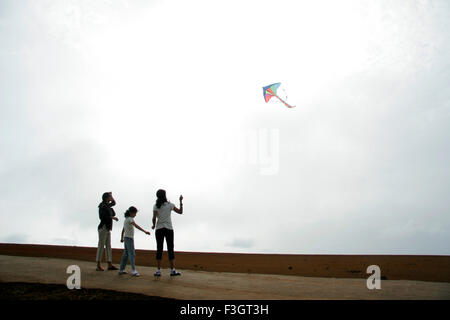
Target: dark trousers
160,235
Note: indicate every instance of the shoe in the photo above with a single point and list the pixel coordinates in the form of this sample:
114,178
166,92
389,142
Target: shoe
112,268
99,269
157,273
135,274
122,272
174,273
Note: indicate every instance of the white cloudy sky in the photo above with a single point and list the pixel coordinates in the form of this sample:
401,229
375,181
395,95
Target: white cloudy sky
132,96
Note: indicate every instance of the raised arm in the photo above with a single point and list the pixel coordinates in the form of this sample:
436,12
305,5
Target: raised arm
179,211
111,202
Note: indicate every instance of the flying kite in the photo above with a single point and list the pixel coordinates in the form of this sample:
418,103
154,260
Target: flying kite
271,91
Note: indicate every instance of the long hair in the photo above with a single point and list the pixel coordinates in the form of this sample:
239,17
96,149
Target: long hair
160,198
129,211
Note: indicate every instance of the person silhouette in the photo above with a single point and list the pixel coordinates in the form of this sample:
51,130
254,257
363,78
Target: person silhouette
163,223
128,239
107,215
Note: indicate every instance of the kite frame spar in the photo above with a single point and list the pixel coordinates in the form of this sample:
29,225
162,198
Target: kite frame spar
271,91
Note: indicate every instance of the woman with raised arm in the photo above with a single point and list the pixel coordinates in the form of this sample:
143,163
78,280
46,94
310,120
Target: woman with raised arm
162,211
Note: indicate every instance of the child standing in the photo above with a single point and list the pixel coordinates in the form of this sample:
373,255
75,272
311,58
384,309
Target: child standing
128,239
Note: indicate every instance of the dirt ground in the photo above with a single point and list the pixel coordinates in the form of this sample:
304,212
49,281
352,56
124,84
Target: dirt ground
393,267
210,285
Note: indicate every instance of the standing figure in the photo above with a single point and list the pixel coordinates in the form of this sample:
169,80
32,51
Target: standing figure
107,215
128,239
162,211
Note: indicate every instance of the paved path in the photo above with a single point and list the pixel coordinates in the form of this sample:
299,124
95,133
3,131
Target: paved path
215,285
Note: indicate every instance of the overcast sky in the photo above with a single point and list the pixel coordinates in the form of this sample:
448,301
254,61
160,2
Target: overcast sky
133,96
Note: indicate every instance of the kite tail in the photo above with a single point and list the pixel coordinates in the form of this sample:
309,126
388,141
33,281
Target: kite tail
289,106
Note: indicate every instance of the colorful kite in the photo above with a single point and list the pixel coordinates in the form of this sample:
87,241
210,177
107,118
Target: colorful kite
271,91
